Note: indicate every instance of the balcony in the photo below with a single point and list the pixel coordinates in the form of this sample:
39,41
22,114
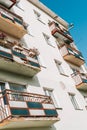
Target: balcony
22,109
11,23
8,3
60,33
72,55
80,80
18,60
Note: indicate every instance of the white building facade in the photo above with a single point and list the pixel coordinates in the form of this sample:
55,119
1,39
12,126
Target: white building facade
43,80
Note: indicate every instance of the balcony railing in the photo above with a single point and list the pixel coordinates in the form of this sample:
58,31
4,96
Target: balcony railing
33,110
60,33
11,23
8,3
72,55
18,60
80,80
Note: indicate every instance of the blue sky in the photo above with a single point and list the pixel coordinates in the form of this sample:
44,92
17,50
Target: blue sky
74,11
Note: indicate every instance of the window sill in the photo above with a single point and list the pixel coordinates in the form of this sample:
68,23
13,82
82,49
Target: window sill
51,45
79,109
43,66
30,34
59,108
64,74
41,21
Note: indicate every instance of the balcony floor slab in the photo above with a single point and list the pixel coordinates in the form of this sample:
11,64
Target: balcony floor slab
72,59
28,122
18,68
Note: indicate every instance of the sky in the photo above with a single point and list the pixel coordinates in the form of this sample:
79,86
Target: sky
73,11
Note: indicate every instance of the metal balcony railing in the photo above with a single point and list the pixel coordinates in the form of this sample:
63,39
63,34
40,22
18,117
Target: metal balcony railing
80,80
72,55
27,105
59,32
16,59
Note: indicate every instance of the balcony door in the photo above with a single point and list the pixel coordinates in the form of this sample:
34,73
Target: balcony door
17,91
3,92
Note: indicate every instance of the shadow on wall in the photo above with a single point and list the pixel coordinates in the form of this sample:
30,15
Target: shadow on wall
34,81
18,79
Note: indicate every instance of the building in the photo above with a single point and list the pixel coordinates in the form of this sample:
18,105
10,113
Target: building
43,79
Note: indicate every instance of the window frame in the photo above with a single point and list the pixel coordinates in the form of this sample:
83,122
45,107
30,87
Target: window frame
38,16
49,92
60,67
41,61
85,98
18,6
74,101
47,39
17,96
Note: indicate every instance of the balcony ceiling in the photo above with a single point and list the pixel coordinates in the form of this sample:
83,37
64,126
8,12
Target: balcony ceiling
82,86
8,3
10,28
59,34
72,59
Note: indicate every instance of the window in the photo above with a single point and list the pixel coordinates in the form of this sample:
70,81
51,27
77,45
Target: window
73,100
59,66
41,61
16,91
18,5
49,21
17,87
38,16
2,88
26,25
75,72
85,97
49,92
29,31
48,40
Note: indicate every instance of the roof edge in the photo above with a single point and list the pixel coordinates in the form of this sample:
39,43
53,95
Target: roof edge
53,15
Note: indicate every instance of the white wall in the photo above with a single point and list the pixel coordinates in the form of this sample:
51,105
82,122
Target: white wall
49,76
